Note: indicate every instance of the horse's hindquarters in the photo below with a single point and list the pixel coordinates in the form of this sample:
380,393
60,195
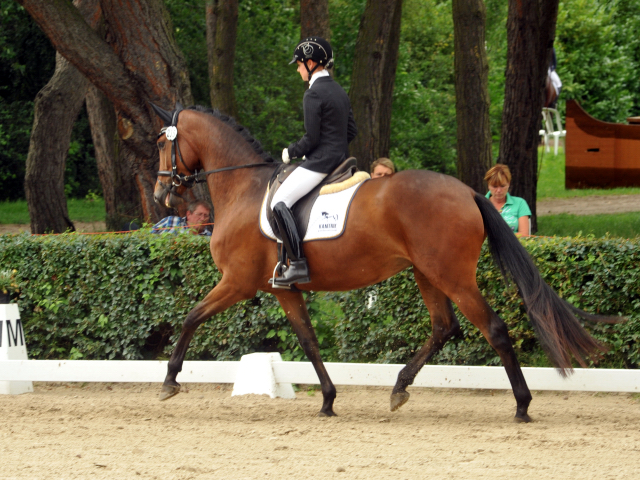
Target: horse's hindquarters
412,218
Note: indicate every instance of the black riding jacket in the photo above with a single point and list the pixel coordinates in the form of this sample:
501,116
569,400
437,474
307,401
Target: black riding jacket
329,125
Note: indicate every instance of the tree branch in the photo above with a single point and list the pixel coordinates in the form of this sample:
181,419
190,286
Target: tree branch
75,40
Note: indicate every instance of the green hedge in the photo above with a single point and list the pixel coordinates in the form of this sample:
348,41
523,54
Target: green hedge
125,297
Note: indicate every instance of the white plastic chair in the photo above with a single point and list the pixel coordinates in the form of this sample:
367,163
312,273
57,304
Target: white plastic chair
552,128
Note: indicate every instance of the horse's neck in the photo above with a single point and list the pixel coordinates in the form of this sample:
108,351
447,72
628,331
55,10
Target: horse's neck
237,191
232,190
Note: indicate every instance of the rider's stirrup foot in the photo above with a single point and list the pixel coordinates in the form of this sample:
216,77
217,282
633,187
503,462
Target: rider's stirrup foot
298,272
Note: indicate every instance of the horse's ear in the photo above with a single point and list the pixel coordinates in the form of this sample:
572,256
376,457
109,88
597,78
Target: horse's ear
164,115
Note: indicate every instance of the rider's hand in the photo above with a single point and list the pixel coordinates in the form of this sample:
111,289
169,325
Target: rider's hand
285,155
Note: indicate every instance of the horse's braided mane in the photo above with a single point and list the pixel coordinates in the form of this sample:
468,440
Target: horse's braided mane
255,144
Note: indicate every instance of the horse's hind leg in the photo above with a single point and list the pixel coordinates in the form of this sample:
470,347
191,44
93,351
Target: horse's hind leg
444,325
477,310
220,298
296,311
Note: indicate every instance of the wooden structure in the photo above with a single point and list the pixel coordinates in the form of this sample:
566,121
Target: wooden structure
600,154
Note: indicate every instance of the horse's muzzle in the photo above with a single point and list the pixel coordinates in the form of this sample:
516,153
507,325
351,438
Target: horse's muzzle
166,195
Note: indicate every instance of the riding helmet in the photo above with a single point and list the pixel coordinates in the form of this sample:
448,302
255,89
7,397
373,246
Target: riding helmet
314,48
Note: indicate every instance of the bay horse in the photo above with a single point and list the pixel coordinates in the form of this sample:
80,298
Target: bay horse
421,219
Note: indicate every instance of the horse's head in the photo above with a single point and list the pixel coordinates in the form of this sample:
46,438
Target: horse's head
178,161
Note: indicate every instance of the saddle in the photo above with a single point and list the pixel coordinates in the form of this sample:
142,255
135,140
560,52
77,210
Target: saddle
344,176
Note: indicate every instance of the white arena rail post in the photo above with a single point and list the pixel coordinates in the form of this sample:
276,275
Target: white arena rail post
12,346
255,375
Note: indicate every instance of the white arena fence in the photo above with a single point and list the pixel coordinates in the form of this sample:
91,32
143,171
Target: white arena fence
592,380
266,373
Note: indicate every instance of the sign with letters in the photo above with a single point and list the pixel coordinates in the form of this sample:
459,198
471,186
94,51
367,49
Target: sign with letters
13,346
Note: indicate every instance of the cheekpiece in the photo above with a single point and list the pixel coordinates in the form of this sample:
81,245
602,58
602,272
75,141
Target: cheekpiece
171,133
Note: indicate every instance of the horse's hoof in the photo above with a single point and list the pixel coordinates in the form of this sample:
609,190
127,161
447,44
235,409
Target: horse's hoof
522,419
330,413
169,391
398,399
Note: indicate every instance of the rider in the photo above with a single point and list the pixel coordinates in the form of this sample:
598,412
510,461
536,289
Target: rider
329,126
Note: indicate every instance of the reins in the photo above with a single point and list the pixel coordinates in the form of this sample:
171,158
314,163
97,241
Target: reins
178,179
199,177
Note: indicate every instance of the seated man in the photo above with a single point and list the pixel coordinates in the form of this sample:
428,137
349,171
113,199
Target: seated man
197,216
382,167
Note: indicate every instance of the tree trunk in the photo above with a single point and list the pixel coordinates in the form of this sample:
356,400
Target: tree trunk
222,25
314,19
138,63
530,32
372,80
120,192
56,108
55,111
472,92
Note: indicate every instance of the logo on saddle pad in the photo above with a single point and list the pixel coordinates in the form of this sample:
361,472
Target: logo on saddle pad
327,219
331,222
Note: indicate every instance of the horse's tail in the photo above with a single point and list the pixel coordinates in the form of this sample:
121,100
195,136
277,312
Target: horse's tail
553,319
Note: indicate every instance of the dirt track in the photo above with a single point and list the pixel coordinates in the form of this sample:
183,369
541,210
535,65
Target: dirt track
123,431
593,205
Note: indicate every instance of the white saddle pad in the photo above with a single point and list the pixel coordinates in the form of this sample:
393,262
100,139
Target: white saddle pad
327,219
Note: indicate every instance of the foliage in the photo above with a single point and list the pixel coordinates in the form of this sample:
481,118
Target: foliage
345,18
16,119
423,126
8,281
268,90
190,33
597,49
81,169
496,41
597,46
587,272
27,61
125,296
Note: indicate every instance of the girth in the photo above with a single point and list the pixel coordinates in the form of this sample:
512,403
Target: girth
302,208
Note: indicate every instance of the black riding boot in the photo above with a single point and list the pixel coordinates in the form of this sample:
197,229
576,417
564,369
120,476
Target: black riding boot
298,270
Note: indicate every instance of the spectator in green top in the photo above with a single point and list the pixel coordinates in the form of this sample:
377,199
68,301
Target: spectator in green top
514,210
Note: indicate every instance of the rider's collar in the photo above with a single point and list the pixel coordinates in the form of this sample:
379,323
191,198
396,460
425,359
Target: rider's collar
317,75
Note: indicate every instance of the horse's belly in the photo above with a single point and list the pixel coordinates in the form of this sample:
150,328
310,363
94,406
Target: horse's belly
341,273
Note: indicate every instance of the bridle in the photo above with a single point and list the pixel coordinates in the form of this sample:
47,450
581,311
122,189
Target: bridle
180,179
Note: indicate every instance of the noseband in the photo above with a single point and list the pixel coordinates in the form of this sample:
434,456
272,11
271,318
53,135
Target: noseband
179,179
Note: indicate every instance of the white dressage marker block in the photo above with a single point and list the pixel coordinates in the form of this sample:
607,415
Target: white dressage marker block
255,375
12,346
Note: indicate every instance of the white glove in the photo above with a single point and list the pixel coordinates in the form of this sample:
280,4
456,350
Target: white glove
285,155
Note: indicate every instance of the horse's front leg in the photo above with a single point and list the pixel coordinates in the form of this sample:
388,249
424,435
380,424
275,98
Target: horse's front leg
296,311
220,298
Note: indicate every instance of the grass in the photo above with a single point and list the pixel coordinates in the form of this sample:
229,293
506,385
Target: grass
624,225
80,210
551,185
551,180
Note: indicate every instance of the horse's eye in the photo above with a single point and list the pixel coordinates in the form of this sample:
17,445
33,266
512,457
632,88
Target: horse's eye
160,145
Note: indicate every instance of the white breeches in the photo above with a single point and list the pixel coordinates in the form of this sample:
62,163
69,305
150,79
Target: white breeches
297,185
